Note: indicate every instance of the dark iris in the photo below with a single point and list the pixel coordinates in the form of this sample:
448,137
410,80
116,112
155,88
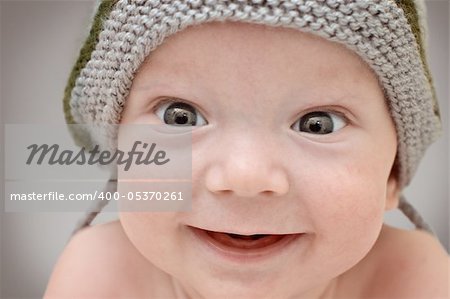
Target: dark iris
316,123
180,114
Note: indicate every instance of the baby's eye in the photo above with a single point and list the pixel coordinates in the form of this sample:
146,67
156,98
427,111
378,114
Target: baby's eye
180,114
319,122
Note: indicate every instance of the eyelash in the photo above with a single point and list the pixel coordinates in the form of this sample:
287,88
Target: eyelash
333,115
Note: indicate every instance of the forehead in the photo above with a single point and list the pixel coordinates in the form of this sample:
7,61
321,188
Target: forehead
226,52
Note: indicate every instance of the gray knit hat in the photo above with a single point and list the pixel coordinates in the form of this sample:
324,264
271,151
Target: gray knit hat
388,35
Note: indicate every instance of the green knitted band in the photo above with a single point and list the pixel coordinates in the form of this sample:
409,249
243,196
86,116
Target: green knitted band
410,11
102,14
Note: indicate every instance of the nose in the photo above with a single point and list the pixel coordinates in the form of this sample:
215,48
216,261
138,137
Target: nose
247,168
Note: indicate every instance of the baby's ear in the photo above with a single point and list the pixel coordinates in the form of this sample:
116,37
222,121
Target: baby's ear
392,190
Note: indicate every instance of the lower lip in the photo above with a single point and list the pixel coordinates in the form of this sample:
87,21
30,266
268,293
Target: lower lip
240,255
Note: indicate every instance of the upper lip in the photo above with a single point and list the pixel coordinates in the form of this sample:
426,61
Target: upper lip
245,232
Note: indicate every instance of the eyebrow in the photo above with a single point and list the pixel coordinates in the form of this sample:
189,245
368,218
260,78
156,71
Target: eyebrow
168,86
165,83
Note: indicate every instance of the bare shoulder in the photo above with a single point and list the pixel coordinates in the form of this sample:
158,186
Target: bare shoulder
98,262
410,264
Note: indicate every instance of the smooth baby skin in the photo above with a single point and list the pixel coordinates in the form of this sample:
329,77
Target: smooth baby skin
256,170
100,262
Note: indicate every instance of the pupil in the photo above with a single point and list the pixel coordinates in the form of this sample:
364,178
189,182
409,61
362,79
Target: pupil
181,119
316,126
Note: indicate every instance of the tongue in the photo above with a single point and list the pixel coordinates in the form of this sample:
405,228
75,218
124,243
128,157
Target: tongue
245,242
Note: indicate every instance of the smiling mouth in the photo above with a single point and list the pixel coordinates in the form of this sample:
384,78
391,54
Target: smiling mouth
244,241
243,244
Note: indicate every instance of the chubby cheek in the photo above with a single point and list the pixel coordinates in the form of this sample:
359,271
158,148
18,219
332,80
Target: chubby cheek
346,211
153,234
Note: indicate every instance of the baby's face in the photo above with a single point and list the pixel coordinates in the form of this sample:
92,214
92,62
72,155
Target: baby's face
292,137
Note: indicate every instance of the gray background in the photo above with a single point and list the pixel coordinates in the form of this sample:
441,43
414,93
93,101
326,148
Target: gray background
39,43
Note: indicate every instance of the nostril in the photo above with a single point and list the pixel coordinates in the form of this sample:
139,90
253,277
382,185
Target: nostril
248,182
268,192
244,194
223,192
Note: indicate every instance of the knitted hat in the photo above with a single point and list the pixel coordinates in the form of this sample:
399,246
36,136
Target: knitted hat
388,35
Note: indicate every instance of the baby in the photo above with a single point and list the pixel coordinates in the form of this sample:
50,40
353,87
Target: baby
308,119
